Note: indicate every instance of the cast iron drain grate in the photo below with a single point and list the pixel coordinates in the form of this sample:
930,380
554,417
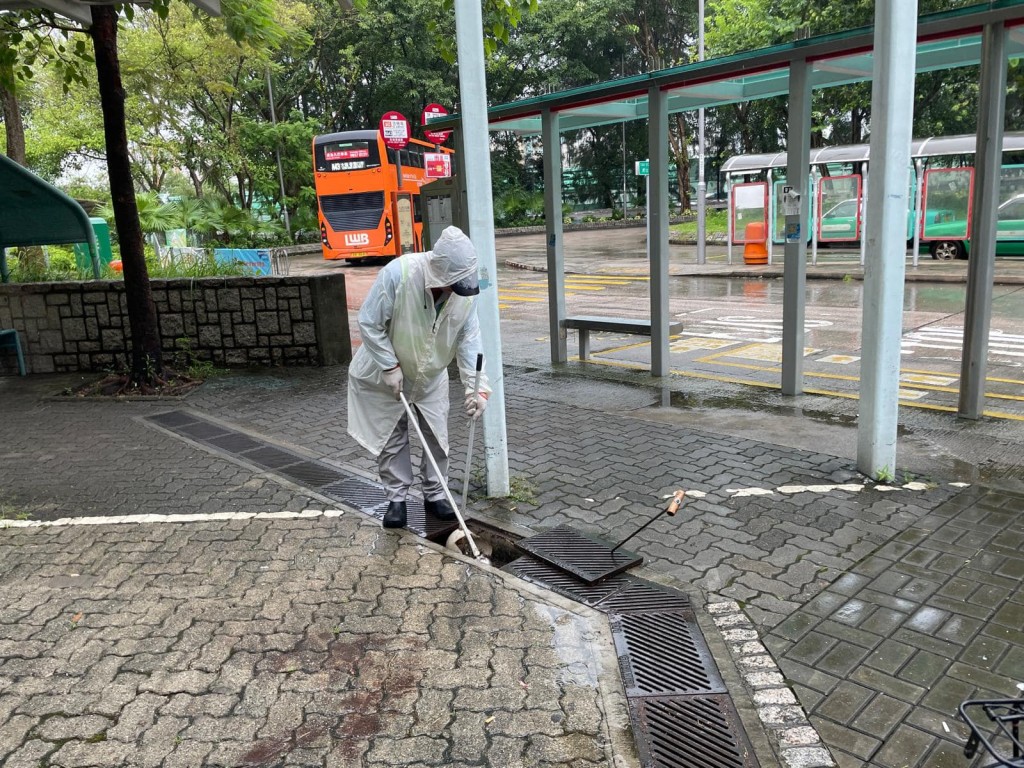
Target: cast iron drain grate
588,559
203,430
270,457
234,443
529,568
686,731
173,419
361,494
311,474
640,596
663,654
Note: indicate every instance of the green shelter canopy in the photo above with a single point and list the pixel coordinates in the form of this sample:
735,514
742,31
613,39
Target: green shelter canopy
33,212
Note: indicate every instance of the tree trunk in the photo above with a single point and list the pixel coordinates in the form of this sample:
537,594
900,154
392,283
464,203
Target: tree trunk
678,142
147,361
13,126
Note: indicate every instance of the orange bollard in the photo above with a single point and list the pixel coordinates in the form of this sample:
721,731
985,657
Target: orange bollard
755,252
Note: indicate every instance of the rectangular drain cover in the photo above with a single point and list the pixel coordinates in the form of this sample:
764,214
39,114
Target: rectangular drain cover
361,494
203,430
641,596
234,443
173,419
312,474
270,457
663,654
589,559
689,731
538,572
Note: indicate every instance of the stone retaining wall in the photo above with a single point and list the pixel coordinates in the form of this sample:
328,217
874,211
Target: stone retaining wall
234,321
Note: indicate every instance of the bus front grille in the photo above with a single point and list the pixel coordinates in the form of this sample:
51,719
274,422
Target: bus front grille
346,213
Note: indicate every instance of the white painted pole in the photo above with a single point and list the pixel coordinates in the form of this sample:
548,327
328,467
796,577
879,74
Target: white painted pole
476,142
892,110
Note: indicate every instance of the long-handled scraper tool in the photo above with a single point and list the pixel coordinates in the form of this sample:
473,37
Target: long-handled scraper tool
670,510
444,485
472,430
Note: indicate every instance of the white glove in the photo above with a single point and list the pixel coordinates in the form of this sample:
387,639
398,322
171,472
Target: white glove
475,404
393,379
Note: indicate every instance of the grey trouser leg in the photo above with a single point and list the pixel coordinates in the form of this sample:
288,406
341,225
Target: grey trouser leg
395,464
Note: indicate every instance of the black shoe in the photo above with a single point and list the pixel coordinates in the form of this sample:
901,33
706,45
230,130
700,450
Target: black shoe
440,509
395,516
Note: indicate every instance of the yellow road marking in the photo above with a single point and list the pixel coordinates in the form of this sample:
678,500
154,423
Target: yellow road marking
516,297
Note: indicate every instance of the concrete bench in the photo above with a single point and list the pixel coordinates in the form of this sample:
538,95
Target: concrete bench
9,338
587,323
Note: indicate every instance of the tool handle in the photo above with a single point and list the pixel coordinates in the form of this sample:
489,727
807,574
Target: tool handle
479,362
677,499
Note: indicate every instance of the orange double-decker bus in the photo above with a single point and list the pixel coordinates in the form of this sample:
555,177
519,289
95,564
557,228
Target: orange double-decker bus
365,210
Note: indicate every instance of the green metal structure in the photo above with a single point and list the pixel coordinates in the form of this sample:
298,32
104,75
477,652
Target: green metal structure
34,212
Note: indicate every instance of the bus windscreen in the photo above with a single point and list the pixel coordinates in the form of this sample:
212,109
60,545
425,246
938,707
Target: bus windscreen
349,155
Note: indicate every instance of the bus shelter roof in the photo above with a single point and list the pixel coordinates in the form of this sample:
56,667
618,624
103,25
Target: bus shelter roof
934,146
946,40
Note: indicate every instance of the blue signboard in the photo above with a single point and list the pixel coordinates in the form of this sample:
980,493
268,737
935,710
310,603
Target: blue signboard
256,261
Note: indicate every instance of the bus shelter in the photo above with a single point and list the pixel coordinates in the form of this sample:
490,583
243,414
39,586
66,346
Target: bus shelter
941,179
986,34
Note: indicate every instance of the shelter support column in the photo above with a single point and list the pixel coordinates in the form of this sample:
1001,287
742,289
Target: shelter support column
553,230
794,270
477,155
892,105
657,246
981,267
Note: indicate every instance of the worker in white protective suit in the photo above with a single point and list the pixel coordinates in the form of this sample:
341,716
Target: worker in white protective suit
418,316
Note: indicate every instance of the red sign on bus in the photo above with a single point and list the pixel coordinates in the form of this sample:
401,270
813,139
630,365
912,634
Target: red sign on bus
394,129
434,110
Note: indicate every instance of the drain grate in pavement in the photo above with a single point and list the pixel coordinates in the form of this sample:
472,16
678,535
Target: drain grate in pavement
173,419
586,558
203,430
546,575
311,474
640,596
234,442
270,457
663,654
361,494
685,731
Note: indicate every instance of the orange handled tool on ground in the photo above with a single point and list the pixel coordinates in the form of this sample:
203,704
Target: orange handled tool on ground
670,510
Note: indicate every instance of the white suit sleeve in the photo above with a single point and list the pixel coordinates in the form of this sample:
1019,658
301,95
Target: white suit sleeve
470,344
375,318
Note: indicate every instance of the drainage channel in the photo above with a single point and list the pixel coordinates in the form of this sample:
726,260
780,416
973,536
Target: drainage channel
680,710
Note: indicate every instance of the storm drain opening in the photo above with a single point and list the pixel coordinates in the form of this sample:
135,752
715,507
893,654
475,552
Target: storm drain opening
681,713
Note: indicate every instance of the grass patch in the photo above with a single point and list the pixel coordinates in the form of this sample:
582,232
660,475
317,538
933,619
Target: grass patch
716,222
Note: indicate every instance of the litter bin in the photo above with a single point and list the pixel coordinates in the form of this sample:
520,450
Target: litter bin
755,252
83,259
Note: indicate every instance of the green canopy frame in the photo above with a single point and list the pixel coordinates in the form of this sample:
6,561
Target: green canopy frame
34,212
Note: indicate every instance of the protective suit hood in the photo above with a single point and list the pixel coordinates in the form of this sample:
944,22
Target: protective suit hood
452,262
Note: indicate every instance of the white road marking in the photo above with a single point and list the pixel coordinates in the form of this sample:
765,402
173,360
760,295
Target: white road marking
140,519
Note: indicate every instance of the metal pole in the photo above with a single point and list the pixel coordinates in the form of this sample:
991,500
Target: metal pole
553,227
892,108
918,213
469,37
657,242
981,267
277,154
702,186
794,259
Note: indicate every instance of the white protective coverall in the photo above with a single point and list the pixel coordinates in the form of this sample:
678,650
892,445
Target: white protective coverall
401,326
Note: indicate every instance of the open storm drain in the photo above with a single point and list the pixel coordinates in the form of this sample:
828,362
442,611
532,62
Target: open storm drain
680,712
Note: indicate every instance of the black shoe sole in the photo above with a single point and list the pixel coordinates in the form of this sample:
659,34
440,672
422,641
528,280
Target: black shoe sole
394,523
